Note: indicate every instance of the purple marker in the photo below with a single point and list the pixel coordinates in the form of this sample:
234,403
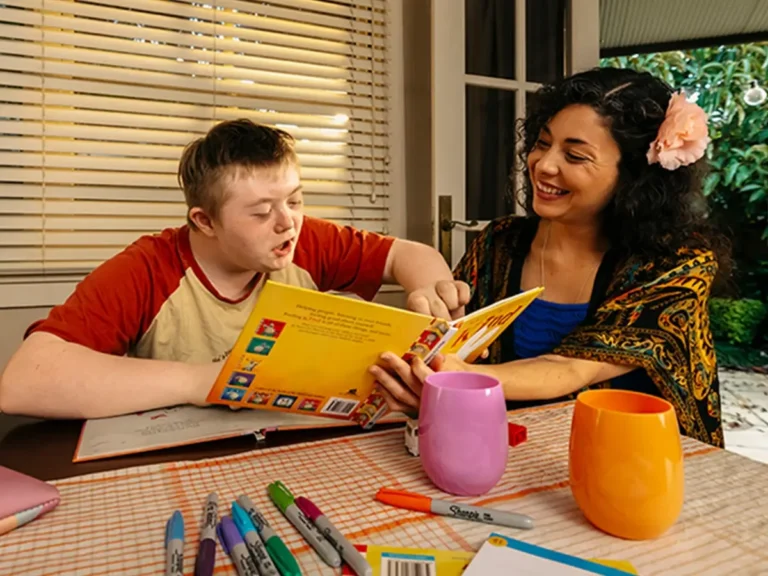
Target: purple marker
343,546
206,552
235,547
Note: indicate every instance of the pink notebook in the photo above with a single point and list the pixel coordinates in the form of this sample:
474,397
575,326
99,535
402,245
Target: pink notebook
23,498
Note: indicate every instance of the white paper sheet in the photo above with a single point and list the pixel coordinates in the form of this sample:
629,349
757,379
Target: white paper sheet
501,556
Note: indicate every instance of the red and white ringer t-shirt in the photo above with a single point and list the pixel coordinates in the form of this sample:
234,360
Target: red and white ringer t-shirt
152,300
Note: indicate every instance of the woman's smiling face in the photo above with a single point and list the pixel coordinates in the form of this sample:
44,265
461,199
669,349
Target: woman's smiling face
574,166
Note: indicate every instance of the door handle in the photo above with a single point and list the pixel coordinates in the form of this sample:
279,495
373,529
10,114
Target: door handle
445,244
446,227
468,226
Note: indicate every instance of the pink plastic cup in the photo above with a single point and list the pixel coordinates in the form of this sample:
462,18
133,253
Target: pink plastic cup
463,433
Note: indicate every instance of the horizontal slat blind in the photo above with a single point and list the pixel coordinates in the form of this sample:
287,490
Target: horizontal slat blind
98,99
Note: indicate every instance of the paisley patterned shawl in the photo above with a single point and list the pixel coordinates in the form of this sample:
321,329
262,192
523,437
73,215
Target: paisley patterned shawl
653,315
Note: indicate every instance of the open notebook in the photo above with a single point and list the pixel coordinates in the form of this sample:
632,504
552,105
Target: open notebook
182,425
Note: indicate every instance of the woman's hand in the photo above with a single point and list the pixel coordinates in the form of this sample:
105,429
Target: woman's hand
452,363
401,383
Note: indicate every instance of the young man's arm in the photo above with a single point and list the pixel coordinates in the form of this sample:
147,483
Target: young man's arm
73,364
425,276
51,378
350,260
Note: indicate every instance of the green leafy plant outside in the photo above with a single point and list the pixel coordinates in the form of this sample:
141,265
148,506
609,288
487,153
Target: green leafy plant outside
736,321
737,184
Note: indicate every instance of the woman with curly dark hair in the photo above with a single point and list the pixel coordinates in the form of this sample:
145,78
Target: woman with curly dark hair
617,233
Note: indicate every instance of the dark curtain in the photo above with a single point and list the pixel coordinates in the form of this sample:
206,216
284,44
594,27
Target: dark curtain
490,151
490,112
490,38
545,40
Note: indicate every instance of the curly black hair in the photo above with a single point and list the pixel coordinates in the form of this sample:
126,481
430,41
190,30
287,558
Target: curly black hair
654,211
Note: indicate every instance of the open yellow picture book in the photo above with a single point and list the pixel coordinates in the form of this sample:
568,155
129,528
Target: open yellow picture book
308,352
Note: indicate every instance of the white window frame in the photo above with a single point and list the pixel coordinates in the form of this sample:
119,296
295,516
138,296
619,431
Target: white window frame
449,82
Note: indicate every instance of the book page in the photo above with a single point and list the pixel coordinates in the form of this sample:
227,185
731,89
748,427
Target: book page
307,352
180,425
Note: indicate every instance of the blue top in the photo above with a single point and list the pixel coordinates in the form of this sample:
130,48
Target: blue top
543,325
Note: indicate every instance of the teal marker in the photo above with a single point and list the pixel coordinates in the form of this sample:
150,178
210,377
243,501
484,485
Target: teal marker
276,548
283,498
253,542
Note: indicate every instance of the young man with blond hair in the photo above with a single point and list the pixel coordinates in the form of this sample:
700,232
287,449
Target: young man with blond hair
148,327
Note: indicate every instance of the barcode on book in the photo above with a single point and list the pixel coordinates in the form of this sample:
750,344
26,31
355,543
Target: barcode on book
340,406
404,566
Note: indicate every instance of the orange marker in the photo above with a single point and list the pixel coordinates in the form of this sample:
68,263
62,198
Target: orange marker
411,501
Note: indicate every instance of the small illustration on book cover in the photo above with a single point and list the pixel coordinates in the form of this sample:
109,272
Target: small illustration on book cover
270,328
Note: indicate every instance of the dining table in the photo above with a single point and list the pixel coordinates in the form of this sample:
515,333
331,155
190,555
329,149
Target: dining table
112,513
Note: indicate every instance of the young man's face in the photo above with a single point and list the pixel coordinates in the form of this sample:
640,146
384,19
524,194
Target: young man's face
260,221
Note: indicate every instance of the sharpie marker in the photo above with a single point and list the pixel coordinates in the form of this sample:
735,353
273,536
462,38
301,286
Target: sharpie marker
206,552
421,503
283,498
174,545
253,541
235,548
276,548
348,552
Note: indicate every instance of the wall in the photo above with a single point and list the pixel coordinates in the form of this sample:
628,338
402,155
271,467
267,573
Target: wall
417,80
14,321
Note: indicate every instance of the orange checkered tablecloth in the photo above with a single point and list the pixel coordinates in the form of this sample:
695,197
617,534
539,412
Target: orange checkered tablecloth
114,522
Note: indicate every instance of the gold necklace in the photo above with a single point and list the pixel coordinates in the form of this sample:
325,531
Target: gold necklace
542,273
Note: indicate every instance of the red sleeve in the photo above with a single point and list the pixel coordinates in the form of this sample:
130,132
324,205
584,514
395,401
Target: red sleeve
343,258
112,307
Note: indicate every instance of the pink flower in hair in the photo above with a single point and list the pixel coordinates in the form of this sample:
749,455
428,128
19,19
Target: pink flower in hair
682,137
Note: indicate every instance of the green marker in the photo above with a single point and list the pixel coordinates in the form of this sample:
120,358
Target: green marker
283,498
276,548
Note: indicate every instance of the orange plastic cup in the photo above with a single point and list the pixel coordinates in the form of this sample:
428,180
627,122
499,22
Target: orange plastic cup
626,463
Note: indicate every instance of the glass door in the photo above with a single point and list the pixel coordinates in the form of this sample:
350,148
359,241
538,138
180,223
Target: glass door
488,57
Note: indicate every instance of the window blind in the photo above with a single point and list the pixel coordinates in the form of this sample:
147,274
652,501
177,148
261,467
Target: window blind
98,99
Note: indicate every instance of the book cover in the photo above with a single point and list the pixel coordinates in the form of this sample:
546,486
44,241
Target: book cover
308,352
500,552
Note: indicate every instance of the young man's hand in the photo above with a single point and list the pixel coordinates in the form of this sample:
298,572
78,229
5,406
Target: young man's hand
208,375
205,377
444,299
